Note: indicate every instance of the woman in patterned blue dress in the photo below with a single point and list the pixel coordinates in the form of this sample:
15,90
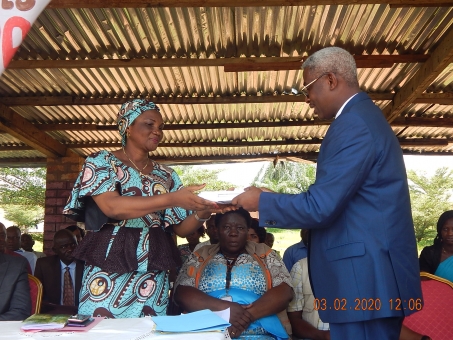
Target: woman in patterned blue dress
132,205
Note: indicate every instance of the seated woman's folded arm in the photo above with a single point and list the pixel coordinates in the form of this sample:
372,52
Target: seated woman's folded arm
192,299
272,302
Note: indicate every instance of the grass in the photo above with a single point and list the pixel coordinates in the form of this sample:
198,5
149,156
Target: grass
38,246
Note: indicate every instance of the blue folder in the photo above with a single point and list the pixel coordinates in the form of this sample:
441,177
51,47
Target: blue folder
201,321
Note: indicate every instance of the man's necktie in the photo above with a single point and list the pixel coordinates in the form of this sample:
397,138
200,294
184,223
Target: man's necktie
68,289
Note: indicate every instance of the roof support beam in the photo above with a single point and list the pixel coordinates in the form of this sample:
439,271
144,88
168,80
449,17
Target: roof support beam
230,64
225,3
428,72
428,122
300,156
428,98
20,128
229,144
69,100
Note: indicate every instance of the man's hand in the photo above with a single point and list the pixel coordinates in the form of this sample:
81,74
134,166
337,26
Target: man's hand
249,200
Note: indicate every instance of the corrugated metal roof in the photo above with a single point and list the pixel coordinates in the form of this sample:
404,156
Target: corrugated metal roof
213,33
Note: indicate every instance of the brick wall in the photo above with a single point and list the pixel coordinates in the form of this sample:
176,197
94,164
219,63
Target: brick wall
61,175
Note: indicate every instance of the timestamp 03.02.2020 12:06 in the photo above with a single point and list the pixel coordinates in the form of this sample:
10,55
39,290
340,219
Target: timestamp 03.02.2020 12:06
370,304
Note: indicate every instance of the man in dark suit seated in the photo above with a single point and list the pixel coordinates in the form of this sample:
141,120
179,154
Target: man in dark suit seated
15,302
61,275
5,250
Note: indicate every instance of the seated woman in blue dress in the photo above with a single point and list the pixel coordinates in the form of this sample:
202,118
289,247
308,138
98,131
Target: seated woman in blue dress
247,277
437,259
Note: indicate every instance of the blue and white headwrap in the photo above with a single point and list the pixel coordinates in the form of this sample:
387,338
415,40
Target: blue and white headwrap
129,111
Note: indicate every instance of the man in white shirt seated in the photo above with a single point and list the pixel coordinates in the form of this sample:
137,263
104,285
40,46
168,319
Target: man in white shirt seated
27,243
13,243
302,314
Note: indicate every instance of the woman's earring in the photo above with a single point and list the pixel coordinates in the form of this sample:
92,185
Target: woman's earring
128,134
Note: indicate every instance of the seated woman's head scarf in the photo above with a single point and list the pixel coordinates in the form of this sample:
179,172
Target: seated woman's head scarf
129,112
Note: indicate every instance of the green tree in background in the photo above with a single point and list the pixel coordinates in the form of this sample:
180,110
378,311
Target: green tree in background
27,217
190,175
430,197
22,195
286,177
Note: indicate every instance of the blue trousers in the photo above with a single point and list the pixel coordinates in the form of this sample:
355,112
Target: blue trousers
376,329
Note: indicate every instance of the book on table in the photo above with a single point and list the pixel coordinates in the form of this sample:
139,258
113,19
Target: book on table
45,321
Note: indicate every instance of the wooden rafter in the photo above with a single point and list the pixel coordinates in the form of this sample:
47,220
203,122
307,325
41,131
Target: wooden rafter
229,144
427,98
20,128
229,64
69,100
426,122
428,72
229,3
309,156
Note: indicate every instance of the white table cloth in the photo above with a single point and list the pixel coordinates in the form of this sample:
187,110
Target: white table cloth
111,329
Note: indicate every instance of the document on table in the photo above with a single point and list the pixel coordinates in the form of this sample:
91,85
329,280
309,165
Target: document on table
201,321
222,197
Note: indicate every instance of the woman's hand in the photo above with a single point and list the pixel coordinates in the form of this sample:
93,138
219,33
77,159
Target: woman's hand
221,209
240,319
185,198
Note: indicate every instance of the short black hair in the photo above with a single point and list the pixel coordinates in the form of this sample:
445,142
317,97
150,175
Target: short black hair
74,227
242,212
261,232
201,231
440,224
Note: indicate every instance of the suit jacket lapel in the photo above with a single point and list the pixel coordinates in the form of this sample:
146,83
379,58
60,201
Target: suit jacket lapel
57,269
3,268
78,279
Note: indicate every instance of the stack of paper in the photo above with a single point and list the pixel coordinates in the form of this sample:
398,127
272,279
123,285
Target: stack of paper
201,321
45,322
221,197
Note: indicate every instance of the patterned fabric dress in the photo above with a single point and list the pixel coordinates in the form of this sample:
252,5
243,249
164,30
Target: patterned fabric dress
246,275
135,289
184,251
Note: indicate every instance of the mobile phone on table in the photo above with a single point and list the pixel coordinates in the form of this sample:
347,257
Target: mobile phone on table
78,318
80,324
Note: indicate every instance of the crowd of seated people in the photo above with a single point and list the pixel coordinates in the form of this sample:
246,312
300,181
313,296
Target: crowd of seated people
15,301
60,275
215,275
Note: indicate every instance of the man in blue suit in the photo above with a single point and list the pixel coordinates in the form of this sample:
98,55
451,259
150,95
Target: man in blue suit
363,265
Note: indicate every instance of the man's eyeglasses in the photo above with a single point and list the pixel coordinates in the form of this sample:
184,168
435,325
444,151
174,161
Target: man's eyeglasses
304,89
